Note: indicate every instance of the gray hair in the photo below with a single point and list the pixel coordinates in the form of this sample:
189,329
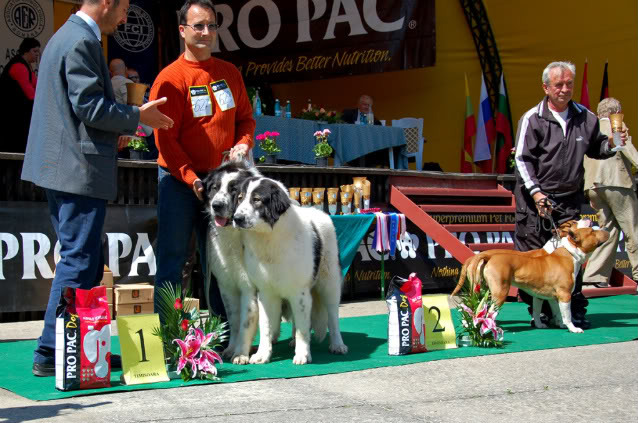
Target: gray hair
562,65
608,106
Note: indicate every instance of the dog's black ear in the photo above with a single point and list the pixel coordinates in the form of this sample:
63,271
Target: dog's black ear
207,181
279,202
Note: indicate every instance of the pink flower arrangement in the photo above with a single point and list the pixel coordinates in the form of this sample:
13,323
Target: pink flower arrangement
268,142
196,352
478,317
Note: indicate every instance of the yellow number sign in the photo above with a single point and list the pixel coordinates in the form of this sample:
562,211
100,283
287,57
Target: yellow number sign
142,352
439,329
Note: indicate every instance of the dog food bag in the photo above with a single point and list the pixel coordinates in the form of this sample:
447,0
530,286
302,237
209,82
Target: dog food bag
333,197
306,197
83,340
318,195
346,199
294,194
357,202
406,323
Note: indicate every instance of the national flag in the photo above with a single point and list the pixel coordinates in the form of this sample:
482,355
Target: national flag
485,132
584,91
470,131
604,90
504,134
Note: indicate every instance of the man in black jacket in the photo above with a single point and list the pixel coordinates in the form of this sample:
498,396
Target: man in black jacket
552,140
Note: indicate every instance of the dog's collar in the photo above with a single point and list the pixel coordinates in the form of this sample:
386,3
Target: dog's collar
578,255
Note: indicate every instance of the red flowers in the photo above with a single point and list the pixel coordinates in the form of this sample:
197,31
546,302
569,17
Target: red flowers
178,304
184,325
477,288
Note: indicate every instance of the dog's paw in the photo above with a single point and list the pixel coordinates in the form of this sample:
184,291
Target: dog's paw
540,325
241,359
574,329
228,352
338,349
302,359
259,358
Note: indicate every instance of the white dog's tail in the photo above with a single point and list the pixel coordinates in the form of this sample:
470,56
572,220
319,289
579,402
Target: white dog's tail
319,317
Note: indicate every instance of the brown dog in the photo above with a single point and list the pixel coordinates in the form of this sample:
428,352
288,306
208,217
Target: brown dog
542,275
469,267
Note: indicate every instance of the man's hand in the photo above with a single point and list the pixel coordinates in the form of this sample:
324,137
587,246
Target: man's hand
151,116
239,152
624,136
543,205
122,142
198,189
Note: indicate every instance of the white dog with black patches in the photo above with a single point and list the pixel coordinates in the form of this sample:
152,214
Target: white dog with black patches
224,258
291,254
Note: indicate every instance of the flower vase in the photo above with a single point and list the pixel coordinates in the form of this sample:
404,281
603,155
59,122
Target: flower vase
270,159
136,155
322,161
171,371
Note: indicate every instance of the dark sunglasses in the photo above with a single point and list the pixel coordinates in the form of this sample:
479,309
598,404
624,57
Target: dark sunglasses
200,27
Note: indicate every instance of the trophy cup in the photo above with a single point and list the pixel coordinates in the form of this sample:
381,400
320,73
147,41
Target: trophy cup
616,129
135,93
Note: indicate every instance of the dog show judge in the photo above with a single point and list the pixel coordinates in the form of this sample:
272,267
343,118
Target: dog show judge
207,100
552,140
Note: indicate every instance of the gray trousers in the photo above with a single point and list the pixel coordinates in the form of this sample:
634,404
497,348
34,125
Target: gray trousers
617,211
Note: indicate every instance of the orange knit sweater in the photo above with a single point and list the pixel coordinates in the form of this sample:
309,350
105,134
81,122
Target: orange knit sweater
195,144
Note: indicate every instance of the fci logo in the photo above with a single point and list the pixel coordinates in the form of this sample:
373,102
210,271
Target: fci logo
25,18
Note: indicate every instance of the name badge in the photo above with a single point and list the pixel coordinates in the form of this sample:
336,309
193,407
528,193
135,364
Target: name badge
223,95
200,101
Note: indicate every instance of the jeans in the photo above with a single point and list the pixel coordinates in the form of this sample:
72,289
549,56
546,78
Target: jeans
179,212
78,222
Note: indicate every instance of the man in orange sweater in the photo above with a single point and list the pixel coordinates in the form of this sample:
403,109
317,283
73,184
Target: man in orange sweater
207,100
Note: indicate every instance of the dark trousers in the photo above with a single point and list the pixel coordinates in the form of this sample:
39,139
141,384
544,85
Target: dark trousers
179,213
533,231
78,222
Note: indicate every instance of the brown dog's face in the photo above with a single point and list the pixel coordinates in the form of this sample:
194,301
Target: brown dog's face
587,239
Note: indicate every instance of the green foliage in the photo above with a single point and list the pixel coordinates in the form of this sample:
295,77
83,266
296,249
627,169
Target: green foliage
269,145
476,305
138,144
322,149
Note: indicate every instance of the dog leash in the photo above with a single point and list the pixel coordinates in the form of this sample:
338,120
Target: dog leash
545,205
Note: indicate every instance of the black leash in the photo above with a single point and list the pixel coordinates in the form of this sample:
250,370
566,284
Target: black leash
545,206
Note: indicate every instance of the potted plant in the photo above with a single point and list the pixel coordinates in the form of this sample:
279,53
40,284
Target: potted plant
137,144
268,143
321,114
322,149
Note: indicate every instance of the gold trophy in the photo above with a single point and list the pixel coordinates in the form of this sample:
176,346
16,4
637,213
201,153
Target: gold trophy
616,130
135,93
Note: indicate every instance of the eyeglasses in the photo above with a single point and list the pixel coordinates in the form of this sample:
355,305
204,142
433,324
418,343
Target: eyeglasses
200,27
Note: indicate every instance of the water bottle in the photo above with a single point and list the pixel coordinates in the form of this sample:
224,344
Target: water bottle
364,119
257,104
288,109
277,108
309,105
370,117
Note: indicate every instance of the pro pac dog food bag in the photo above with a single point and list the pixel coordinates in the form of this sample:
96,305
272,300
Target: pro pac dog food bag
83,340
406,324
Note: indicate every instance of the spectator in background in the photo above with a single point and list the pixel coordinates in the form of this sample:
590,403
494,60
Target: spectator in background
363,108
132,74
610,187
17,83
119,80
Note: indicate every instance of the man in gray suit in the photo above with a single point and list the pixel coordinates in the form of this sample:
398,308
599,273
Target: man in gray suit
611,190
71,150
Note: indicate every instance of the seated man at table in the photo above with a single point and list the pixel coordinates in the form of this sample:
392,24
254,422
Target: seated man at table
357,115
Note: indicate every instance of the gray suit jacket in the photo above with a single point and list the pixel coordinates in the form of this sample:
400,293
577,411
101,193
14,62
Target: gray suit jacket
614,171
72,145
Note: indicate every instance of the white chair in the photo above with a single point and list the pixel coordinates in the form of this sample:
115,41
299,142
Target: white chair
414,140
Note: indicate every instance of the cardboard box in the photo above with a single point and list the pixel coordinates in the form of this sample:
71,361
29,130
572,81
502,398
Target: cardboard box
107,279
109,295
189,303
134,293
141,308
112,311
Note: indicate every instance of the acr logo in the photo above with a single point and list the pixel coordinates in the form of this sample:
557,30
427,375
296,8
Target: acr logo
138,32
25,18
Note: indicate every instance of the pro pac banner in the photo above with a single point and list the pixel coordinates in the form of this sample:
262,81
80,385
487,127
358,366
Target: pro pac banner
29,250
283,41
22,19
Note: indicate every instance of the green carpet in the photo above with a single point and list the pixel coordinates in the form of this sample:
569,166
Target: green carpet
614,319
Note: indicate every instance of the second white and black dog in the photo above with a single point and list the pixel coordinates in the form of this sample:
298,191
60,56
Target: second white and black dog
290,254
224,257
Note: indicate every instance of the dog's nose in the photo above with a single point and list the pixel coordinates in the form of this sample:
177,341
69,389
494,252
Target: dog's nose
218,206
239,220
